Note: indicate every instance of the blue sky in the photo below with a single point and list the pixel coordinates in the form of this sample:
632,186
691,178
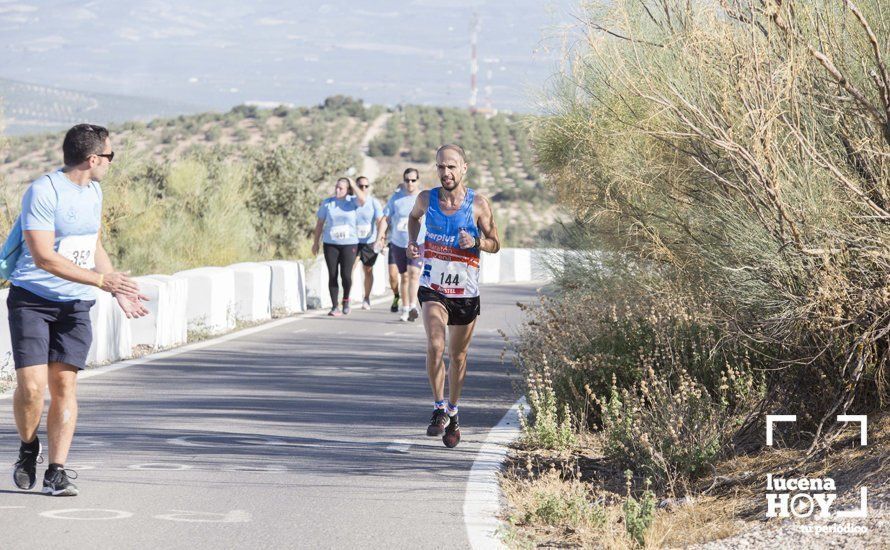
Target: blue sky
218,53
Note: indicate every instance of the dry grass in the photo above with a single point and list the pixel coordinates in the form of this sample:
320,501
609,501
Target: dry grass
704,520
734,502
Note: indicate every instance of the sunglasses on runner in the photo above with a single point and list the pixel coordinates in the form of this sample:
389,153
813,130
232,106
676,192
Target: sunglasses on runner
410,181
109,156
363,186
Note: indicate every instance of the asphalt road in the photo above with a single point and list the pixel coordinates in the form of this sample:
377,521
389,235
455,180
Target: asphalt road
307,435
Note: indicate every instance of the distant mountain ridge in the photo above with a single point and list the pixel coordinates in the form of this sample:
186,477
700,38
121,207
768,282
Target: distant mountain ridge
31,108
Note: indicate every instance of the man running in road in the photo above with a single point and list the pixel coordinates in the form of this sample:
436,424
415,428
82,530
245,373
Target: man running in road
396,211
392,268
370,225
459,225
50,299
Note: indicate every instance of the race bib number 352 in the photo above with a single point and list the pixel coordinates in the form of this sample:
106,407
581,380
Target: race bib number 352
80,249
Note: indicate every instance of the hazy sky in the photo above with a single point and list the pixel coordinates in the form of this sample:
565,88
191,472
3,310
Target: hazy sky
218,53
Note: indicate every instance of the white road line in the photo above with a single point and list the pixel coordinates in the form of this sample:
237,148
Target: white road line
482,501
299,330
400,446
391,333
98,371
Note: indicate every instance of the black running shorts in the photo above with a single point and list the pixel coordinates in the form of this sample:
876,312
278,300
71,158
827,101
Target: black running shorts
461,311
367,255
46,332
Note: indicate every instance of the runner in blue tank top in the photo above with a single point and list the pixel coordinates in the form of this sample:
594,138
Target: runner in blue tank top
459,226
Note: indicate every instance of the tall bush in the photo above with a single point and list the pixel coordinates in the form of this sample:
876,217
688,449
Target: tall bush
742,149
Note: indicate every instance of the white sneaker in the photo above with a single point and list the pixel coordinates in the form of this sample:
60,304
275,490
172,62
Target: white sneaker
366,304
404,316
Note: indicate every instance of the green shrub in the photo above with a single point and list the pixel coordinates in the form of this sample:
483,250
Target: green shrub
638,514
547,430
282,193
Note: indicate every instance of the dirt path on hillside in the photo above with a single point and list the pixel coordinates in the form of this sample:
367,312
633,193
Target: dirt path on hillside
370,166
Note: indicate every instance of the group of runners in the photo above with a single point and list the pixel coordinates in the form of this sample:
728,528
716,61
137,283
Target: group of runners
61,262
352,228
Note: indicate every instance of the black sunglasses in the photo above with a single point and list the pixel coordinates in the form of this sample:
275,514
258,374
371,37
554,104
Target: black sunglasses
109,156
410,181
363,186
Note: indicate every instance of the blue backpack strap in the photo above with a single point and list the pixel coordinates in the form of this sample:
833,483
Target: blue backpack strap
18,222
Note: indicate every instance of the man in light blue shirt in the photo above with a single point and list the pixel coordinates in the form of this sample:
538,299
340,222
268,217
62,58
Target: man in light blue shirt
52,290
370,225
397,210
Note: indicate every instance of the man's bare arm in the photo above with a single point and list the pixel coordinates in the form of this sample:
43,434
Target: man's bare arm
419,211
489,241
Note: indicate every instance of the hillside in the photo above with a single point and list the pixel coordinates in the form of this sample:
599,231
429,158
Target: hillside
498,148
30,108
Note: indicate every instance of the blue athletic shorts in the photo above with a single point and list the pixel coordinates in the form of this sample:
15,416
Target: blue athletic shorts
45,332
398,256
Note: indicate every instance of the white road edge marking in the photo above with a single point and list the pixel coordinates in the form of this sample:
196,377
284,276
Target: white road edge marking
482,500
127,363
399,446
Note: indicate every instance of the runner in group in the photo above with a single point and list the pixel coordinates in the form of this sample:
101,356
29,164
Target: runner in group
52,289
370,225
459,225
393,270
337,222
396,211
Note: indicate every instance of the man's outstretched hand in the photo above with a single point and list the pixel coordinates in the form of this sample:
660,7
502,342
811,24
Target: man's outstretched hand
132,306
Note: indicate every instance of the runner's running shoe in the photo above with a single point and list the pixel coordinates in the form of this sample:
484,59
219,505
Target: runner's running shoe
404,316
452,433
394,308
413,314
57,484
346,308
334,312
24,475
366,304
437,423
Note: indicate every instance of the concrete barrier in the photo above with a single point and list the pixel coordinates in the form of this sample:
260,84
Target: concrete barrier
490,268
111,331
516,265
253,291
379,287
288,294
211,298
150,330
317,281
173,325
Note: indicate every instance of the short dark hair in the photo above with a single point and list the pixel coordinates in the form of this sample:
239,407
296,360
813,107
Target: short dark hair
454,147
83,140
408,171
360,178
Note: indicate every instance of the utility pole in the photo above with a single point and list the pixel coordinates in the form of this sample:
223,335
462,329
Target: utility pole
474,61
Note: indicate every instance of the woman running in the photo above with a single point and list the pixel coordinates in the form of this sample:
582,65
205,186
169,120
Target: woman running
336,220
